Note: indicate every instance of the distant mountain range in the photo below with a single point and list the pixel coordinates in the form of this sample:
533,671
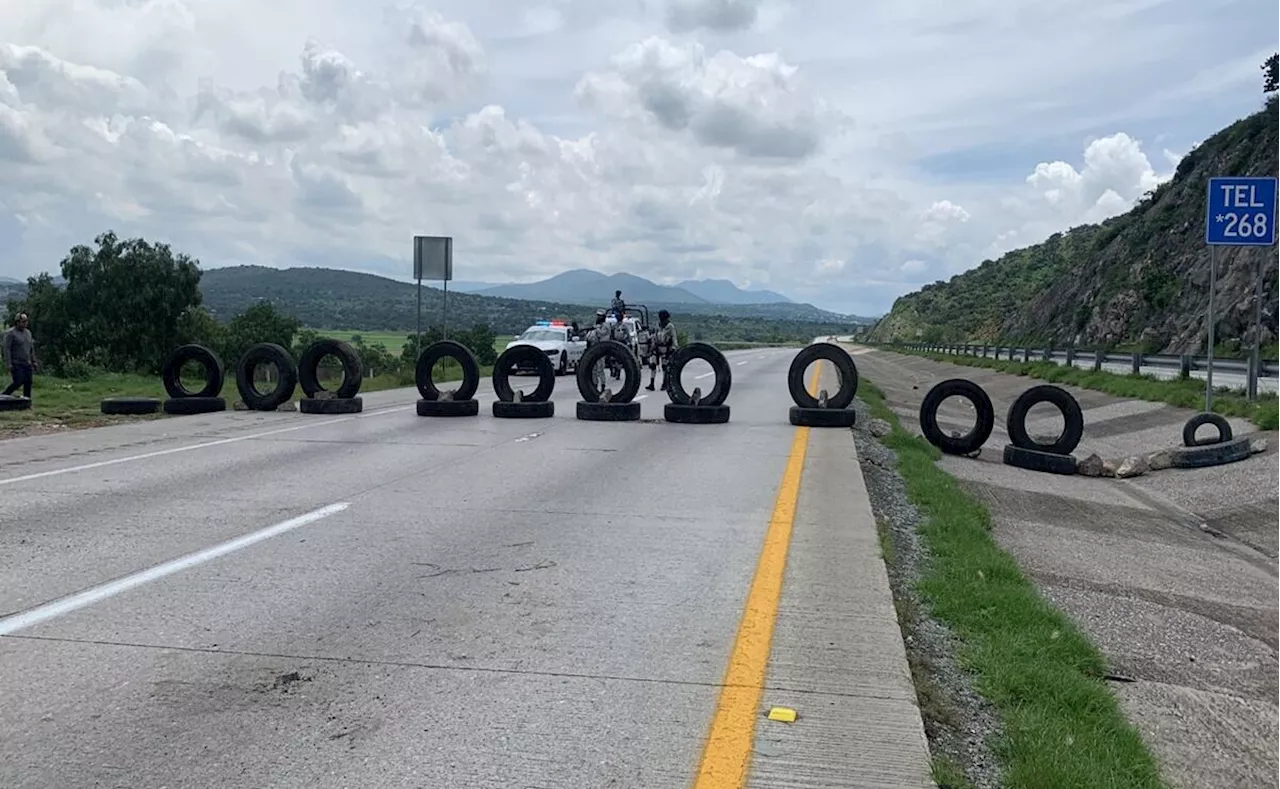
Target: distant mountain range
587,287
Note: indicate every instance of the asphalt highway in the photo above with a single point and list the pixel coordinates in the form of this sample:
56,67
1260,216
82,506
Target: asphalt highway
277,599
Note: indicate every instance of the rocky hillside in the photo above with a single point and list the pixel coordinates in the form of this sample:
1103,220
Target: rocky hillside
1139,280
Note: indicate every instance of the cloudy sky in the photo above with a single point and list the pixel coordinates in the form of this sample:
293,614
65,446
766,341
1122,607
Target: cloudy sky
843,153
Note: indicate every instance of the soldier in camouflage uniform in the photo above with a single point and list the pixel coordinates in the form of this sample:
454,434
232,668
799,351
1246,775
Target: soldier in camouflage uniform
663,344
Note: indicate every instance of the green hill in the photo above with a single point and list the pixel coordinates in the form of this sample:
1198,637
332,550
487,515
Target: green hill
1140,279
332,298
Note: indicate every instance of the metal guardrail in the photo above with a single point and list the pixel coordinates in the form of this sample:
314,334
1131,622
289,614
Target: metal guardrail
1184,365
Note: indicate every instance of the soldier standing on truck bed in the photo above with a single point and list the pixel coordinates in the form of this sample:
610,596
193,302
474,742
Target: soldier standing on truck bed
661,347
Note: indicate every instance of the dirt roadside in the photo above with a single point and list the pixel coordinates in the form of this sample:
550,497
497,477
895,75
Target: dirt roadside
1173,574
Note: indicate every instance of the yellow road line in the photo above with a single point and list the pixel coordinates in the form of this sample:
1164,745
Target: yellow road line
727,753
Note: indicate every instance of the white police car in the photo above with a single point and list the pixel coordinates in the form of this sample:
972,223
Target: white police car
556,339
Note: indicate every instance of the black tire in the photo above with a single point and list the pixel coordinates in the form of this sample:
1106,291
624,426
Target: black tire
843,362
823,417
189,406
695,414
519,355
1035,460
214,373
630,372
14,403
331,405
1073,419
309,368
448,407
130,406
286,383
719,365
526,409
1205,455
1200,420
975,438
612,411
447,349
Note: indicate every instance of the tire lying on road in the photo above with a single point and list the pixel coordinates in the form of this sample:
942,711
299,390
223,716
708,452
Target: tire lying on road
525,409
823,351
286,377
1205,455
187,406
612,411
14,404
447,349
699,414
822,417
975,438
214,373
1035,460
723,375
630,373
130,406
331,405
1073,419
519,356
309,368
449,407
1200,420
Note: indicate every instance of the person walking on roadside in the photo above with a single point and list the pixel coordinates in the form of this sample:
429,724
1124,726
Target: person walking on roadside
20,356
661,346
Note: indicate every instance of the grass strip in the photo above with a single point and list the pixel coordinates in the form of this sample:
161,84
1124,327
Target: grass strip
1178,392
1062,727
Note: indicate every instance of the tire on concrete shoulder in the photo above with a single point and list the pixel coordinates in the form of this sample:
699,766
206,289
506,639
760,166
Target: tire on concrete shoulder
448,407
630,372
1072,417
331,405
14,404
214,372
823,351
188,406
612,411
525,409
700,414
822,417
1036,460
515,356
130,406
286,381
975,438
1206,455
722,374
447,349
1200,420
309,368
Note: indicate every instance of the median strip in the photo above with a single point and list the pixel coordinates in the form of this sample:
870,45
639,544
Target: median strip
1060,725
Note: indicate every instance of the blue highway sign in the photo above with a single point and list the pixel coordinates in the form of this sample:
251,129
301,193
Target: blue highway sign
1241,212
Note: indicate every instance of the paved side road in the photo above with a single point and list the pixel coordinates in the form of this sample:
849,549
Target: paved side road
1173,575
277,599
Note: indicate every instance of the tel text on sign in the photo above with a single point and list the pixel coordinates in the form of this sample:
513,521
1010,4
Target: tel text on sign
1241,212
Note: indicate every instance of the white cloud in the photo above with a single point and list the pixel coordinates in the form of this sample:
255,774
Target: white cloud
809,149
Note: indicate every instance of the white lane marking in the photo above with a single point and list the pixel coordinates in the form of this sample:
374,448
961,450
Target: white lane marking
524,438
173,450
641,397
743,362
704,375
97,594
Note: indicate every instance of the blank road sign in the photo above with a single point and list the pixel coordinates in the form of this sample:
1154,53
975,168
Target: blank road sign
433,257
1241,212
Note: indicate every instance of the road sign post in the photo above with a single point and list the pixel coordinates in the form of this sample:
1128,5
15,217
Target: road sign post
433,259
1239,212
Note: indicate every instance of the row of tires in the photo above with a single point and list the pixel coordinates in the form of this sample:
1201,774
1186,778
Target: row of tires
597,404
1026,451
